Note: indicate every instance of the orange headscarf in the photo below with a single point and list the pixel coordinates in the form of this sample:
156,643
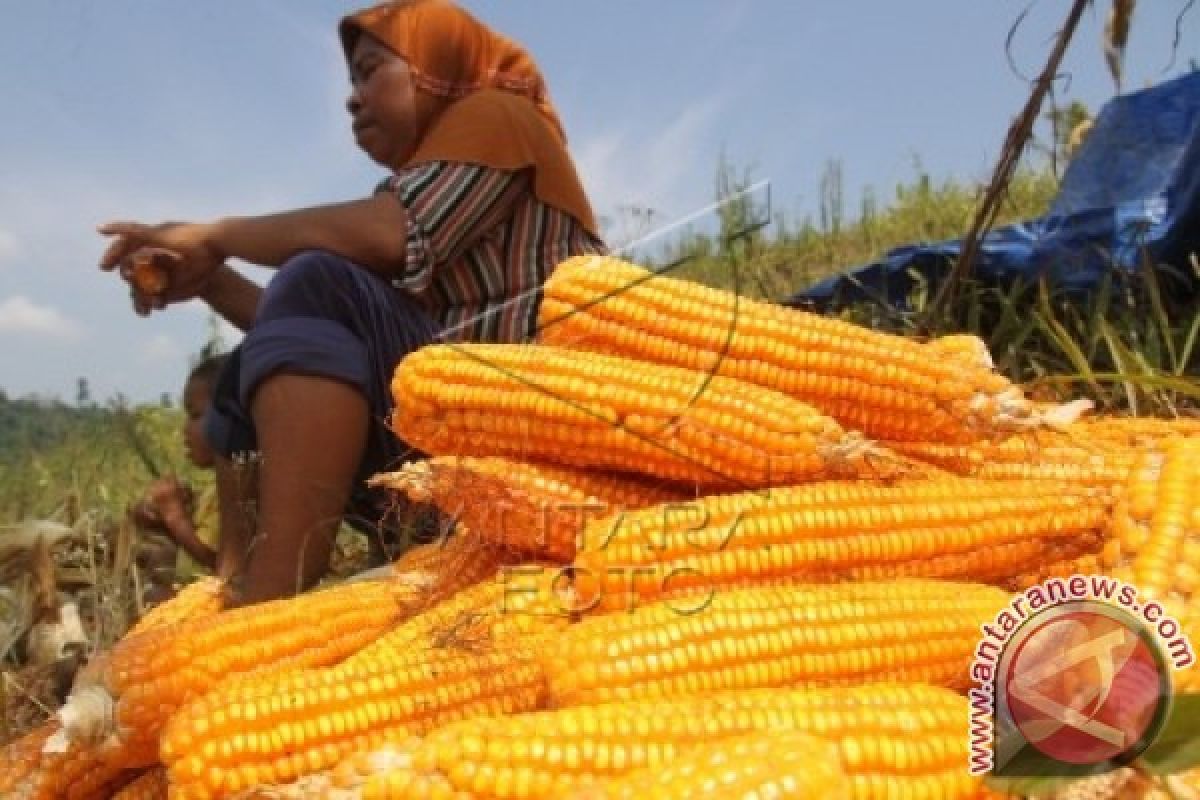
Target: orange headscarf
474,82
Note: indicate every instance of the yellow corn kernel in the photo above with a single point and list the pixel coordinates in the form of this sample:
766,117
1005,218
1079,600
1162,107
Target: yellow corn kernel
21,758
967,347
885,385
1135,431
1155,527
198,600
28,772
150,785
146,678
802,636
1172,524
519,605
531,508
433,572
1041,455
988,531
779,764
892,741
458,660
586,410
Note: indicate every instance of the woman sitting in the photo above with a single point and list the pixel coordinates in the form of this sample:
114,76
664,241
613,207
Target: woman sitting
482,201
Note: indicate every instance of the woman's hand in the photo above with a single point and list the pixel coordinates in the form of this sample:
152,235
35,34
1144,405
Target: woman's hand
188,253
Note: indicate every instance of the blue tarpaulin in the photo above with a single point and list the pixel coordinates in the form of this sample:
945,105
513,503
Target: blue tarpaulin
1130,196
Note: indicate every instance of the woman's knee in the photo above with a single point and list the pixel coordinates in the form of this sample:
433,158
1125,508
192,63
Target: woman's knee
307,283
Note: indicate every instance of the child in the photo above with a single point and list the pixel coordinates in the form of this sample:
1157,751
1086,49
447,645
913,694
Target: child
169,506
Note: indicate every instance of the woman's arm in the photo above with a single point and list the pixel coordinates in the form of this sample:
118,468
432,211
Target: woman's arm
232,296
371,232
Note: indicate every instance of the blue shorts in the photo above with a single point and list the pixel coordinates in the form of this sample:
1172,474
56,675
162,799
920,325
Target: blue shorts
324,316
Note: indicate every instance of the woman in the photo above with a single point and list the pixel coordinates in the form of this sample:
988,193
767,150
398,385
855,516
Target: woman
482,202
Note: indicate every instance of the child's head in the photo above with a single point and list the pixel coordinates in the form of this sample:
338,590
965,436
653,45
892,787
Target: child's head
197,394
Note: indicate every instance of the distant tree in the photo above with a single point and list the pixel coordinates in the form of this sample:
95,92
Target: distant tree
214,343
738,216
165,400
83,393
1068,126
833,201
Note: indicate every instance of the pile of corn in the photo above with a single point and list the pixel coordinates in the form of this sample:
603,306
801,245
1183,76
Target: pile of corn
705,547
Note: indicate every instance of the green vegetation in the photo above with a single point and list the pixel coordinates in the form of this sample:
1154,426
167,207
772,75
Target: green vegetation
800,253
55,457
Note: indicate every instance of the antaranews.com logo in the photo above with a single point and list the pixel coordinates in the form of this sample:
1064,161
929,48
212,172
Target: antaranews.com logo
1072,677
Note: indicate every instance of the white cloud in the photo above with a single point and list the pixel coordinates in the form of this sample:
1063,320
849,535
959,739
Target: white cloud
19,314
9,246
161,348
668,170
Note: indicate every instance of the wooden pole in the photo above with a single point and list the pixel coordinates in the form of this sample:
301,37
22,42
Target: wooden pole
1010,156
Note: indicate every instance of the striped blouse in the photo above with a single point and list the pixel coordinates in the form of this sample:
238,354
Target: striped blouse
480,246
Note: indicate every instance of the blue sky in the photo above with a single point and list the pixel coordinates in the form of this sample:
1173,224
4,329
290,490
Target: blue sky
176,109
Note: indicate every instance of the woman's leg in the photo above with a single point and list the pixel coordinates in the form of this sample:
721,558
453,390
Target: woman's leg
230,432
312,432
313,392
237,502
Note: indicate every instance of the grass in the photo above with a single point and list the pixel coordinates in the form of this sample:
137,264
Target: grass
102,460
801,253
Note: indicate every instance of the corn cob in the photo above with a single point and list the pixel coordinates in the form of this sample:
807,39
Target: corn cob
148,677
148,274
1142,786
894,741
286,725
1155,537
537,509
1188,679
348,778
343,782
150,785
473,654
20,758
802,636
786,764
1117,783
440,569
1060,566
199,599
518,603
959,528
884,385
1044,455
967,347
79,773
1034,558
1157,524
551,404
1135,431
